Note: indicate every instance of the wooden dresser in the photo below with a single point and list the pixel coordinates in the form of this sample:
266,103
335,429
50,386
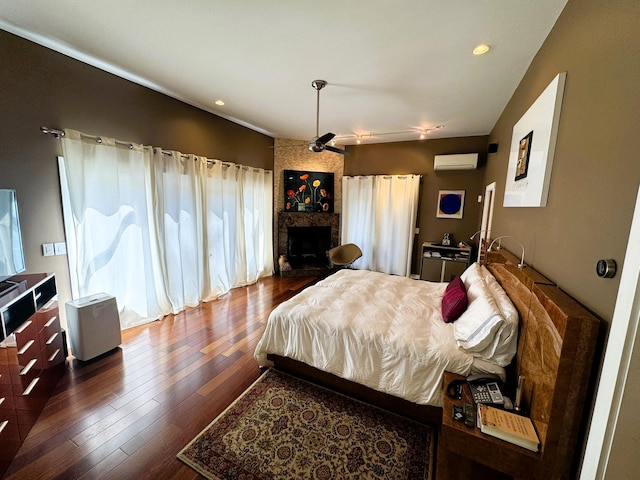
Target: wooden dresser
32,359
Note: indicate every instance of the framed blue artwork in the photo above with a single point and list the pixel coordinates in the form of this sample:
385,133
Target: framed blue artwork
450,204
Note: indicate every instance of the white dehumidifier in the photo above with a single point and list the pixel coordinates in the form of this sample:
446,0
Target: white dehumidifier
94,325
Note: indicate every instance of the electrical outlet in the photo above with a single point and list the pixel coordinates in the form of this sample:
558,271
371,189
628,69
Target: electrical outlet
60,248
47,249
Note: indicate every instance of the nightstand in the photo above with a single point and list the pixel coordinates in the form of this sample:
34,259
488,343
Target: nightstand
466,453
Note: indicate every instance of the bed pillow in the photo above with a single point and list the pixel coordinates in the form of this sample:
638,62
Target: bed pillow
505,344
476,328
454,301
500,296
473,281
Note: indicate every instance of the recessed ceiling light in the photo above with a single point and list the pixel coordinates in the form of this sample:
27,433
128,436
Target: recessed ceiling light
219,102
481,49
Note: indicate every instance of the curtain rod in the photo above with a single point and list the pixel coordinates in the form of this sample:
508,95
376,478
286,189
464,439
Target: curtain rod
55,132
403,175
60,133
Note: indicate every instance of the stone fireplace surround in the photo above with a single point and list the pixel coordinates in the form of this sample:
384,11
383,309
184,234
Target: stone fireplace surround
307,219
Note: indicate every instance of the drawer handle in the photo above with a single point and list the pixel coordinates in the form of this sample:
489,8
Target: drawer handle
23,327
31,386
29,366
54,355
38,295
48,324
26,347
52,338
3,424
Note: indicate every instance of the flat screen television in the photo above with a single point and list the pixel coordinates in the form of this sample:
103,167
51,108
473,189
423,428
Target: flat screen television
11,252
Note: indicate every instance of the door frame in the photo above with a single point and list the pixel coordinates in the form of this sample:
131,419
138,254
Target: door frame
487,215
617,360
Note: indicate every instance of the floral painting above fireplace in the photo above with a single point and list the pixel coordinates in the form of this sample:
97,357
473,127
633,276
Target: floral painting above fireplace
308,191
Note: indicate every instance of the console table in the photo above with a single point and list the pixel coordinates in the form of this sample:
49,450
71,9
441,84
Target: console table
32,358
440,263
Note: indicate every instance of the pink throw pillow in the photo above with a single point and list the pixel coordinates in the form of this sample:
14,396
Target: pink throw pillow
454,301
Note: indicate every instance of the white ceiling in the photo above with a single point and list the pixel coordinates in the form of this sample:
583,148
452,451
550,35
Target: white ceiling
391,65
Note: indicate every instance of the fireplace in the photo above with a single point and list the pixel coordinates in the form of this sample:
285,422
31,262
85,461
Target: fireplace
308,245
305,237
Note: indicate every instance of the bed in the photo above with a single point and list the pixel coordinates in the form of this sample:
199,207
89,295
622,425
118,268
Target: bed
389,333
556,343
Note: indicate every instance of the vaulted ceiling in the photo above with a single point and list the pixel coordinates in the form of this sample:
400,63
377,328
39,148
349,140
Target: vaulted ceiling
391,65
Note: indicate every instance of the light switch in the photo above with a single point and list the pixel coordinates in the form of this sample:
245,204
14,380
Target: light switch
60,248
47,249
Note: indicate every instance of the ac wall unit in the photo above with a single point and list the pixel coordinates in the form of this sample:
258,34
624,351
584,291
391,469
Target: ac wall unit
463,161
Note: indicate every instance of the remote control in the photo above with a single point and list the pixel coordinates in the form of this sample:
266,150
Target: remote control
458,413
469,415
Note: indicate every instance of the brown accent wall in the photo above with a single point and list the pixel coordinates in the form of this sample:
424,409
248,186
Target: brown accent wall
596,170
40,87
417,157
594,181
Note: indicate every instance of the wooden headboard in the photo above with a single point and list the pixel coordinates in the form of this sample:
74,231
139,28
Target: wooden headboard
556,348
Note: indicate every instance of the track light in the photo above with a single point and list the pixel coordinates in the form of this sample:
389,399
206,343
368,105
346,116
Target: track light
422,133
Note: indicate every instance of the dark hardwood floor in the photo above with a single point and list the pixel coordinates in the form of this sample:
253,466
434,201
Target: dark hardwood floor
126,414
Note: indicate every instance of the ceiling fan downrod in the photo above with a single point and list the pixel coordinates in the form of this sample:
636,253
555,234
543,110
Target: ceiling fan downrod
318,85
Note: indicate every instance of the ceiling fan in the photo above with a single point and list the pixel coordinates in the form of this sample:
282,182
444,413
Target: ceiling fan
319,143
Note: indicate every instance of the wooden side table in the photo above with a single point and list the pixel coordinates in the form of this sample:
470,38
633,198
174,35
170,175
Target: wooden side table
466,453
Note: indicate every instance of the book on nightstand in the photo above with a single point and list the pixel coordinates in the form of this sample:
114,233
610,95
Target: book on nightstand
508,427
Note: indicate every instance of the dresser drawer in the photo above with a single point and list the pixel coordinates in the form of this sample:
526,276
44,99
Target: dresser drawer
5,378
49,329
46,317
6,396
28,352
26,375
9,434
52,353
33,399
27,330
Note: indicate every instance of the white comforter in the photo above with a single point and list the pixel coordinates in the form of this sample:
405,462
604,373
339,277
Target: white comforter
379,330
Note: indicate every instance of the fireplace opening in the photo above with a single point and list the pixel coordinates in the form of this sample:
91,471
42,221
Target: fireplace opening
308,245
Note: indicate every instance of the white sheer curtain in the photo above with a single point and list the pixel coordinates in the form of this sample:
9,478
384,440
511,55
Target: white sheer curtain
160,230
239,208
379,215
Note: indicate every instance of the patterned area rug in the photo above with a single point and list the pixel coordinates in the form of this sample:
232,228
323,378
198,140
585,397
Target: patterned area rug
285,428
